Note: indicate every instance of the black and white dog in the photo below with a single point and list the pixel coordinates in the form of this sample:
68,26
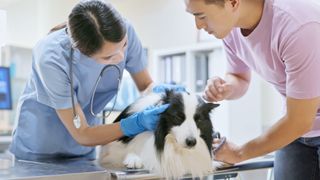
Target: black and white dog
180,145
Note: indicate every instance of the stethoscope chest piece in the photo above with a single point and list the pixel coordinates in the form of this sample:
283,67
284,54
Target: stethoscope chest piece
76,121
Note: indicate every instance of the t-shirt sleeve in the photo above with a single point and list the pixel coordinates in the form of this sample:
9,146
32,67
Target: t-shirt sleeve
51,79
136,59
301,55
234,63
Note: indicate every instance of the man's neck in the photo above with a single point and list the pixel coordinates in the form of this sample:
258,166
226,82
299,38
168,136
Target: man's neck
251,14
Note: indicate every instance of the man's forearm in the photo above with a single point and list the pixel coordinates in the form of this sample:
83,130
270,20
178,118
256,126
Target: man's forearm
298,121
240,85
279,135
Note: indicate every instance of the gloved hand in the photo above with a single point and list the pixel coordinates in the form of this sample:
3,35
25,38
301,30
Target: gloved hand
161,88
142,121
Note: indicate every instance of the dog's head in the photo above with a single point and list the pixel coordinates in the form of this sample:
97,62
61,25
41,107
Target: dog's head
187,119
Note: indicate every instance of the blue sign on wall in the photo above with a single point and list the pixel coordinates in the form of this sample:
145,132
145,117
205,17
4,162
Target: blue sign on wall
5,88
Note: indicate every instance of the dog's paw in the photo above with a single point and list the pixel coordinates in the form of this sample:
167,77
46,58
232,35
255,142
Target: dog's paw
218,164
133,161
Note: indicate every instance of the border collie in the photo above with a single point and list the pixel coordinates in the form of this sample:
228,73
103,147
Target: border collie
180,145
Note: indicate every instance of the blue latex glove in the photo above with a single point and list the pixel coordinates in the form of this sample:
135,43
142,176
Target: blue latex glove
161,88
146,120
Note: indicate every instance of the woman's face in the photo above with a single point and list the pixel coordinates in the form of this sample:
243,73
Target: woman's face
111,53
215,19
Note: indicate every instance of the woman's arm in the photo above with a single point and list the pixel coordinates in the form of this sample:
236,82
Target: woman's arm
143,81
86,135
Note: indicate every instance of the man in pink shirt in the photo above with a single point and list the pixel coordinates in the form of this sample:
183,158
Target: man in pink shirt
280,41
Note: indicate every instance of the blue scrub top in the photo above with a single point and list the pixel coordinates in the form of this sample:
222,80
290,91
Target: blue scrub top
39,133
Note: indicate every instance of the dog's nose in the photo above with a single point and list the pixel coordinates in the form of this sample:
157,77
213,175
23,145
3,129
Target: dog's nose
191,141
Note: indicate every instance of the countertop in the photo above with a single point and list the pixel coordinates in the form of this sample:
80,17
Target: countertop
83,170
57,170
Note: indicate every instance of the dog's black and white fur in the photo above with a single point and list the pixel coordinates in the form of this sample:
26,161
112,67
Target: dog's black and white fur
180,145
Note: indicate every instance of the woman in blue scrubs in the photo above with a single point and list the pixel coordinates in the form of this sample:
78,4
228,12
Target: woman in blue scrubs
98,36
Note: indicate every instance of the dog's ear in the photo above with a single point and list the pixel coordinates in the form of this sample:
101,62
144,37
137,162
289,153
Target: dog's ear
209,106
167,96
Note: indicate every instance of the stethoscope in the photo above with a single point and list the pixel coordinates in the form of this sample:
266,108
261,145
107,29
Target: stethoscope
76,118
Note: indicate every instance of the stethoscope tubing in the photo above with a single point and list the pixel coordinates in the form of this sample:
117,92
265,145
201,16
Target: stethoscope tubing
75,114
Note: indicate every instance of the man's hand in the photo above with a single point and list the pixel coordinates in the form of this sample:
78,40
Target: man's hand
228,152
217,89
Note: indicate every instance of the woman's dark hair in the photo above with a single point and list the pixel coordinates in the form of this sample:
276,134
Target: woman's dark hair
90,23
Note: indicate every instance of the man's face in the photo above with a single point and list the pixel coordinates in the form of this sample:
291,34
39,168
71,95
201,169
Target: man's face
215,19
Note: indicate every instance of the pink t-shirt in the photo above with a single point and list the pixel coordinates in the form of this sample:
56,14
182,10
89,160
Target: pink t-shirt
284,49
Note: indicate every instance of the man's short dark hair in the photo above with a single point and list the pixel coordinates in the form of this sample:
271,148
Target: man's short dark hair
219,2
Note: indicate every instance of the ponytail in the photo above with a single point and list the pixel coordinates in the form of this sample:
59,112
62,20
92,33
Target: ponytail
58,27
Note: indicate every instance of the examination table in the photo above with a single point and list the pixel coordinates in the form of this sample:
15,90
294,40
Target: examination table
81,170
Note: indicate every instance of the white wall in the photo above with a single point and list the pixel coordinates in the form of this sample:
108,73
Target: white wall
29,20
272,105
159,23
22,24
3,28
52,13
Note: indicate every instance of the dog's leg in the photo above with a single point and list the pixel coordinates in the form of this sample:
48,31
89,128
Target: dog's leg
112,154
133,161
138,150
217,164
